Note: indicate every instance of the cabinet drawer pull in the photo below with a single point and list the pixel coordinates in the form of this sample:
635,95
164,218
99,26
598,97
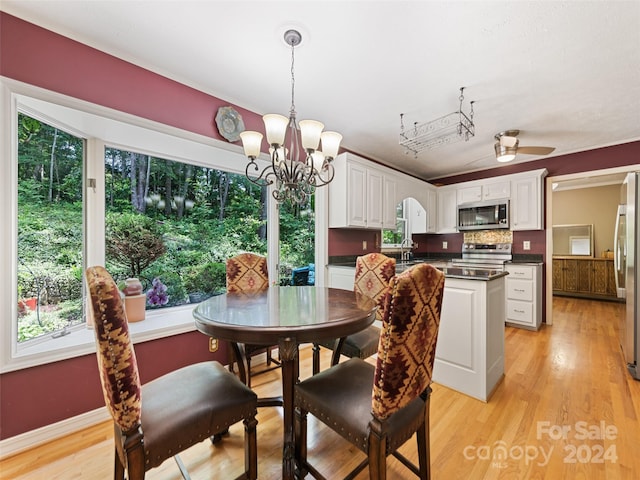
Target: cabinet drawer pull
518,311
518,290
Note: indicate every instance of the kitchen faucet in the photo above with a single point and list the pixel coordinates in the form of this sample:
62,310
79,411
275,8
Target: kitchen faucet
406,242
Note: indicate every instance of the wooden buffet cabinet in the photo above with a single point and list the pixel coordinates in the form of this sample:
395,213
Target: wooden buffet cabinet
584,277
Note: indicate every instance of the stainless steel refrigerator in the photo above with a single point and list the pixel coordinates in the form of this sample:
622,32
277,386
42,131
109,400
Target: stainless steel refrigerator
626,250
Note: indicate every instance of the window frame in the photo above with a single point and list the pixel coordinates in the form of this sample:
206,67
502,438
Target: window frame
405,229
127,132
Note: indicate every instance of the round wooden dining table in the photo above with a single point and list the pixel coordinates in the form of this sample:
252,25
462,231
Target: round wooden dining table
286,316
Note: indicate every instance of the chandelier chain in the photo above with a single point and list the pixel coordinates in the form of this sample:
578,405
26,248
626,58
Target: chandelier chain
293,81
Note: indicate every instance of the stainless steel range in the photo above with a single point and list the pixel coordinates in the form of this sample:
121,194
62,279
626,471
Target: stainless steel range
484,255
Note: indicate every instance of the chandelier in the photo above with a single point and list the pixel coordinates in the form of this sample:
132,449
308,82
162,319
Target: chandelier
295,172
439,132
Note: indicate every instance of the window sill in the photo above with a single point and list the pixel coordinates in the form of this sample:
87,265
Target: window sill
157,324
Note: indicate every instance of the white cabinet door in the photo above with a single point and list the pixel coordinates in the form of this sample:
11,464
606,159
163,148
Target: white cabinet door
357,195
526,204
389,202
447,220
374,199
496,190
469,194
432,206
341,277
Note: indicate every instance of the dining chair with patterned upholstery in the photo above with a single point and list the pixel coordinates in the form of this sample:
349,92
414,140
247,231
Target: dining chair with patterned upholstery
378,408
373,274
246,273
158,420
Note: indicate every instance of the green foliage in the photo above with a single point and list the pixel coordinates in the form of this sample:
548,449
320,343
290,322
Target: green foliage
206,278
46,320
186,249
133,241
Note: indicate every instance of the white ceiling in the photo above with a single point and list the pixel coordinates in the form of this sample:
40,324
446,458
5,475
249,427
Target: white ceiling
566,73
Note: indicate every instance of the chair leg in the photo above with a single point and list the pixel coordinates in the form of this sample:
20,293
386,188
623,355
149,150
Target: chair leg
377,452
316,358
232,360
269,359
248,361
182,468
300,441
422,437
118,468
134,451
250,448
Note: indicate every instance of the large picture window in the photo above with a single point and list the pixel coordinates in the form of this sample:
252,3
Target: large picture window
148,201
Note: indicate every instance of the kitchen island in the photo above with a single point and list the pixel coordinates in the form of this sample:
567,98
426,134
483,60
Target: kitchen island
470,350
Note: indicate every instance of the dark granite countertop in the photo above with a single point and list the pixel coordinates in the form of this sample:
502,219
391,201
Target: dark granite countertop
442,264
485,274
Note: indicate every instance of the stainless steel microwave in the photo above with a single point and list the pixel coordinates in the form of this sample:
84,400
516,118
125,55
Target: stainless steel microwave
483,215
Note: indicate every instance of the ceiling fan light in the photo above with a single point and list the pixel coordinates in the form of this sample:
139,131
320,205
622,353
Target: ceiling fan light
505,154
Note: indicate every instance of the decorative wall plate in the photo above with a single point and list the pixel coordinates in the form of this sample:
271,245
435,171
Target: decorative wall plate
229,123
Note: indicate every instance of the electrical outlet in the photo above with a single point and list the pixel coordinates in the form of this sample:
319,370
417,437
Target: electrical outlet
445,245
526,245
364,245
213,345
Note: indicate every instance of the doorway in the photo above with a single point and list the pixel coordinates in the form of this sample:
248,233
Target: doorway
589,179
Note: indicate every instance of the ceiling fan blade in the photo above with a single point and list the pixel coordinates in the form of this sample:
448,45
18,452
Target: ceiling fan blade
536,150
508,141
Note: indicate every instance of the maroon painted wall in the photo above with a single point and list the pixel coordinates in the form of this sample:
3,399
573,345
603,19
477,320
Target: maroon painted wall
346,241
38,396
45,394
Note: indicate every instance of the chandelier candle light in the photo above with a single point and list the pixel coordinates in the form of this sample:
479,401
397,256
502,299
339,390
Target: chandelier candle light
295,172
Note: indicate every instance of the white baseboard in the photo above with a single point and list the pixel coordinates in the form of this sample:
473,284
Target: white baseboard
25,441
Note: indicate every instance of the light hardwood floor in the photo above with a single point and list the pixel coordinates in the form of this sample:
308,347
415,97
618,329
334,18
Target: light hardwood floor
563,384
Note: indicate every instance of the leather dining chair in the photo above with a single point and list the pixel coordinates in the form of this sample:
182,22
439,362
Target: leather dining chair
246,273
158,420
373,274
379,408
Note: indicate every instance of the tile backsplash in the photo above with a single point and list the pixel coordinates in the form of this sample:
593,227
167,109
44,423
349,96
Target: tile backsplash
489,236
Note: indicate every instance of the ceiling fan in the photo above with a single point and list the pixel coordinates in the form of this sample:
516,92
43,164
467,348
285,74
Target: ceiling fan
506,146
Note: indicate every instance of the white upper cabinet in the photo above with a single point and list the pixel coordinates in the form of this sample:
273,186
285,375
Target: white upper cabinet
447,220
527,201
365,195
496,190
375,198
469,194
524,190
486,191
432,202
357,194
